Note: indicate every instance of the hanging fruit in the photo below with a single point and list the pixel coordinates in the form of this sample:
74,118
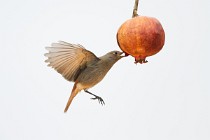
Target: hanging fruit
141,36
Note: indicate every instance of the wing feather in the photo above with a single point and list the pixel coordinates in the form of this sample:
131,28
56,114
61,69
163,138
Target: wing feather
69,59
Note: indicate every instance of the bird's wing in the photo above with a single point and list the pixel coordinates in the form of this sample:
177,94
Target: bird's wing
69,59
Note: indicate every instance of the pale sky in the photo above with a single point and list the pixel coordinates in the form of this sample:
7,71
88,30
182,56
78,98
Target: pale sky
166,99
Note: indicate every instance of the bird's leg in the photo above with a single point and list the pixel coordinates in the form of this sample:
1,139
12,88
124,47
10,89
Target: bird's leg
100,100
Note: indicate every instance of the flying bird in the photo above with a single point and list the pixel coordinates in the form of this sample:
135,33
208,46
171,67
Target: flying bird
81,66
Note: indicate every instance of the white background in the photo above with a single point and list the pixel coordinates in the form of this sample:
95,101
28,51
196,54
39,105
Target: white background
165,99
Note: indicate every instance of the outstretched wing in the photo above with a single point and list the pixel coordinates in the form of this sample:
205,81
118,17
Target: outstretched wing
69,59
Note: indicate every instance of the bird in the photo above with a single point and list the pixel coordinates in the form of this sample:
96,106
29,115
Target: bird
81,66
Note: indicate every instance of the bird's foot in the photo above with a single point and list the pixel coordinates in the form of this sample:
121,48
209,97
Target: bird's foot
100,100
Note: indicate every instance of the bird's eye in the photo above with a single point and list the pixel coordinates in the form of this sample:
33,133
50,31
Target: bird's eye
115,53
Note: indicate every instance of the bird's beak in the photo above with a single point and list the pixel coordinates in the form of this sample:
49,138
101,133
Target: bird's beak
121,56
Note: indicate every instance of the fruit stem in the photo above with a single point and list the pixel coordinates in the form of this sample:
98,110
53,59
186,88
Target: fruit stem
135,8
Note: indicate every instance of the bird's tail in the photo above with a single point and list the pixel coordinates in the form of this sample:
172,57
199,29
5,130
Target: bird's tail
74,92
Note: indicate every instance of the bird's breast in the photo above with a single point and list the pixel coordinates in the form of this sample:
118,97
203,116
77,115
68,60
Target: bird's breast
93,75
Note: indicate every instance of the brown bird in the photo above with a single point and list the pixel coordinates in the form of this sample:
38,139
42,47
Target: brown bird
81,66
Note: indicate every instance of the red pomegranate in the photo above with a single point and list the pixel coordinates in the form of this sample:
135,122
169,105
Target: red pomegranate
141,37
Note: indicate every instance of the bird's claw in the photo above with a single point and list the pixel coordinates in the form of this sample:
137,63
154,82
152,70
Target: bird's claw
100,100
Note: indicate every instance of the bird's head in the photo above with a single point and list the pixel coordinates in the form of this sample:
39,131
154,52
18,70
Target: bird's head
115,55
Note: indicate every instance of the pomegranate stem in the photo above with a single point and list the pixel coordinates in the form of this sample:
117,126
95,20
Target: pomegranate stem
135,9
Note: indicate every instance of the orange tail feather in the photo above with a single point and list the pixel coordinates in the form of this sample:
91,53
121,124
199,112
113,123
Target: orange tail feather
74,92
